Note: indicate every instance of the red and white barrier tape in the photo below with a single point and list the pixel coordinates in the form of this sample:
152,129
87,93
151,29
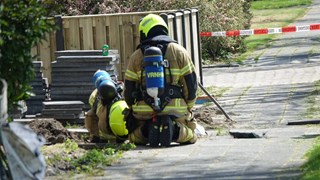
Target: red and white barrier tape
249,32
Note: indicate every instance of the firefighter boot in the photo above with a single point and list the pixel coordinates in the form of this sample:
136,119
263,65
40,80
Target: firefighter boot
154,131
166,131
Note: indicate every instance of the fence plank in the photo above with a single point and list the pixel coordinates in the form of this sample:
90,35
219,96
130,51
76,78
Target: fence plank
128,44
66,33
196,44
179,29
135,29
171,26
114,37
100,35
53,49
187,27
74,34
45,56
87,34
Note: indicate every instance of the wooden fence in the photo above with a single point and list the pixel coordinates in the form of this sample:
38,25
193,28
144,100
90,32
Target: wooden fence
120,32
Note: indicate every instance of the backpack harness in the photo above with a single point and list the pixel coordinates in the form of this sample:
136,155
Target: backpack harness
170,91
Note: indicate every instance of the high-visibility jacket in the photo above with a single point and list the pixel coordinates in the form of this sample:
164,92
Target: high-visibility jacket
97,123
180,73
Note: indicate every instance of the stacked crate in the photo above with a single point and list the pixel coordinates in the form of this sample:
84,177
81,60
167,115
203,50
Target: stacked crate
73,70
67,112
39,88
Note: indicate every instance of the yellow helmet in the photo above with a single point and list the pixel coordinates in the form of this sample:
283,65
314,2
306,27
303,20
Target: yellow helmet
116,118
150,21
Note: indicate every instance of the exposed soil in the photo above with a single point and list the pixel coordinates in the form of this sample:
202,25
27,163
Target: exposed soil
52,130
210,117
55,134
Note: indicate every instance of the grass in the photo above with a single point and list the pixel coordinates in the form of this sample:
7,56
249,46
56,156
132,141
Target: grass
313,109
72,160
271,14
276,4
212,90
221,131
311,169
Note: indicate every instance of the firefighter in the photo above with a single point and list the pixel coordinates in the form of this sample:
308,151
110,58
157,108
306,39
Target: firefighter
105,120
166,117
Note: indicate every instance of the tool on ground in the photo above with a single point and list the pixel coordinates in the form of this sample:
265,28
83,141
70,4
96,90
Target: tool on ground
215,101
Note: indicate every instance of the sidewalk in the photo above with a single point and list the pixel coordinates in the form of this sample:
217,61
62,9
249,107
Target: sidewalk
262,96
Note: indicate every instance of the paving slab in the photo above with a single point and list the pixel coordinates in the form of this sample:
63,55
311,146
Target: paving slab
221,157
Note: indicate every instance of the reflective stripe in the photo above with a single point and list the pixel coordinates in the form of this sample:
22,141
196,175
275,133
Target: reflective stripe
191,104
187,69
142,108
93,97
174,72
177,103
169,108
99,107
175,109
131,75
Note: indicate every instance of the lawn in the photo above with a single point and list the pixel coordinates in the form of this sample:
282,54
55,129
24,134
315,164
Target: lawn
272,14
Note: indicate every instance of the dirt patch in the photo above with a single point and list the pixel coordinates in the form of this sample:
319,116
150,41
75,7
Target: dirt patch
52,130
211,117
56,150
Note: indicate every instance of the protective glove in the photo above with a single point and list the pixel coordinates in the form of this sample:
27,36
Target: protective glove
131,121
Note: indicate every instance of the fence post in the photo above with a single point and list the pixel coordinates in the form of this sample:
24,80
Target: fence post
59,33
175,33
199,44
164,17
184,41
191,33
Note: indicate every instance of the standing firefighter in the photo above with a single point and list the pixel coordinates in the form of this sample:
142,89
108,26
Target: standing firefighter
160,88
105,120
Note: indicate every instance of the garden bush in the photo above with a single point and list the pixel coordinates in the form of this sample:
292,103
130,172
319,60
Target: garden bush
22,25
215,15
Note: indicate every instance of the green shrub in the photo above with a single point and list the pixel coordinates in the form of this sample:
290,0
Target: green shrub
22,26
224,15
215,15
311,168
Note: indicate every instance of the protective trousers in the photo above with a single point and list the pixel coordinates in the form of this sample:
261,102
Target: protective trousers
186,132
96,123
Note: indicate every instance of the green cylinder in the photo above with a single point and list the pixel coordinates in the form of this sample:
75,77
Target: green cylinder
105,50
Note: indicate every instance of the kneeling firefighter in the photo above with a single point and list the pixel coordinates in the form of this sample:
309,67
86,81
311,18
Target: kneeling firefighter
105,120
160,88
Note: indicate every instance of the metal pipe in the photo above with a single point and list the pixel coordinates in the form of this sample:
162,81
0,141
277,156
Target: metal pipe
215,102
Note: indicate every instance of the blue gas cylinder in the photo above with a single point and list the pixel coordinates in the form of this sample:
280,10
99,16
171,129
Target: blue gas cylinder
99,76
105,85
154,70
